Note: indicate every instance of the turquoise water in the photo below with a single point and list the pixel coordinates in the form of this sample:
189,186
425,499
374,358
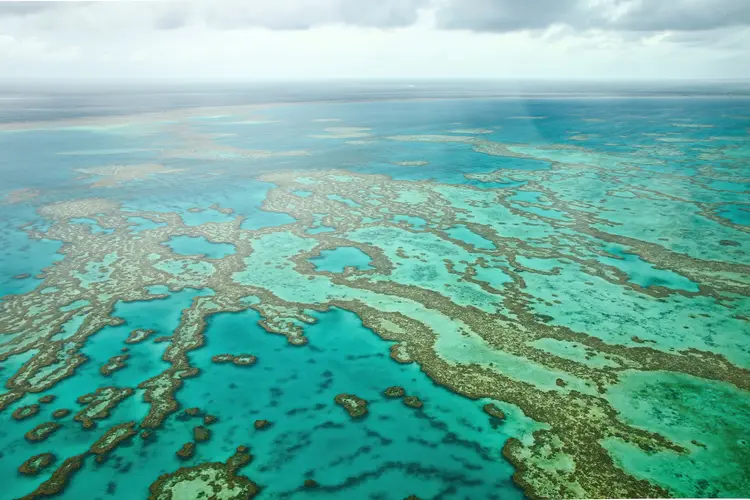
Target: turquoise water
464,234
188,245
379,450
643,274
335,261
580,263
142,224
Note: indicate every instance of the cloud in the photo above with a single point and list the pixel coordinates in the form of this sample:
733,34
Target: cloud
505,15
171,19
501,16
306,14
684,15
221,14
610,15
375,38
14,8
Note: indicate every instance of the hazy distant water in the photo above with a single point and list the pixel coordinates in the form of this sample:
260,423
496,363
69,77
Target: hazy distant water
47,100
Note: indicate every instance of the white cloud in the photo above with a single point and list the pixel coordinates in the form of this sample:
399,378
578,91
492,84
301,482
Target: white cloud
352,38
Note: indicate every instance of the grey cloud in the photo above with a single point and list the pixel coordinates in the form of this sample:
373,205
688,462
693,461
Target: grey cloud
629,17
726,39
686,15
171,19
620,15
25,8
294,14
382,13
505,15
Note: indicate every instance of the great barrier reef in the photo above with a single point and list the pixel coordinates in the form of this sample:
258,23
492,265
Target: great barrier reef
385,295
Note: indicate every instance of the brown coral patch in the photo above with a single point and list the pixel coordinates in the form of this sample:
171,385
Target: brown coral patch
192,412
413,402
100,403
400,354
355,406
36,464
42,431
394,392
59,480
113,364
138,335
237,360
187,451
261,424
493,411
25,412
208,480
201,434
61,413
112,438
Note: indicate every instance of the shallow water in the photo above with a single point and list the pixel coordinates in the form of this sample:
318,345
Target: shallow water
336,260
186,245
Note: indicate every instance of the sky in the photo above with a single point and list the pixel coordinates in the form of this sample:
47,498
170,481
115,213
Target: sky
316,39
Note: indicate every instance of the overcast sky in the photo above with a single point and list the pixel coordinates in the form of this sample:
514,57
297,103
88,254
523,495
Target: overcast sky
376,38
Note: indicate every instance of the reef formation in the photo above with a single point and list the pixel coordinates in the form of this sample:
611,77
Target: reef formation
533,302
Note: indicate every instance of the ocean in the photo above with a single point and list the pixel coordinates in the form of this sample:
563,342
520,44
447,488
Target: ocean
428,289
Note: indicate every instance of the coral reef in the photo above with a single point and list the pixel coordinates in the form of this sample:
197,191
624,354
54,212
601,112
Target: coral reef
61,413
201,434
513,311
356,407
138,335
261,424
394,392
115,363
237,360
413,402
42,431
111,439
207,480
36,464
59,480
24,412
186,451
493,411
